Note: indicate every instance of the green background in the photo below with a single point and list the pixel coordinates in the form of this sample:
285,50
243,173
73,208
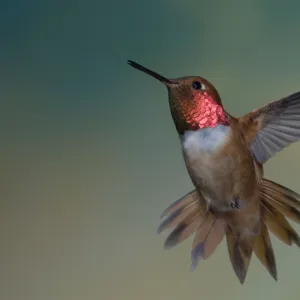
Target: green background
90,156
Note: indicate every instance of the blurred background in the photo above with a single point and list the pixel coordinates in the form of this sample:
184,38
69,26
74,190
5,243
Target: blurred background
90,156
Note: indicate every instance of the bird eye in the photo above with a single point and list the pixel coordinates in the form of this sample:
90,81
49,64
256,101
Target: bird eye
197,85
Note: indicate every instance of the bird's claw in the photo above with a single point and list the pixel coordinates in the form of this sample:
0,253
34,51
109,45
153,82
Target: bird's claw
235,204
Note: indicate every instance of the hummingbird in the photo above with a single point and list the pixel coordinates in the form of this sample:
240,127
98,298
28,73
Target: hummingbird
224,156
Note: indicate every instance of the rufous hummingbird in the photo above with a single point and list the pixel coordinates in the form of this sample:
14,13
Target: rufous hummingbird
224,157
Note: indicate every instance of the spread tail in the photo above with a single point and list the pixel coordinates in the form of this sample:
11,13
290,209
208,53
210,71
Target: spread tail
189,215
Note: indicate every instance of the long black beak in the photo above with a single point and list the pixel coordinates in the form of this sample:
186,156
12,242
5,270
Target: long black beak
137,66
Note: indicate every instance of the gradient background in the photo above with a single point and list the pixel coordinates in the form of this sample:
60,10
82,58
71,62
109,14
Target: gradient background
89,153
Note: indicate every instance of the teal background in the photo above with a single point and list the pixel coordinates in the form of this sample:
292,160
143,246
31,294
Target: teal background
89,153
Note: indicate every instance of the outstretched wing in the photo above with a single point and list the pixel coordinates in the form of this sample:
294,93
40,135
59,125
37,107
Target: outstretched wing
272,127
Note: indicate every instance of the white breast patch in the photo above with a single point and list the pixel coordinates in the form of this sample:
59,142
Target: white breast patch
205,139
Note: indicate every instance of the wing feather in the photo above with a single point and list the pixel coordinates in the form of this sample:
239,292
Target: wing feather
273,127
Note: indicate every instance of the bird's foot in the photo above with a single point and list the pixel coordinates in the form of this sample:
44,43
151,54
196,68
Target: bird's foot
236,204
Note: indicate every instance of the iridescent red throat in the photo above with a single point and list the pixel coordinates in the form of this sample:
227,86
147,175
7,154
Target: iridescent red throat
205,112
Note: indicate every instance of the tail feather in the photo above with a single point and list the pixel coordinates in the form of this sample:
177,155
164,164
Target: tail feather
189,215
183,202
184,229
281,199
178,216
240,260
285,224
288,196
264,251
277,204
288,211
276,226
207,238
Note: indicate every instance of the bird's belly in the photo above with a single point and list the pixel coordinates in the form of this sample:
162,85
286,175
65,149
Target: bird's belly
215,179
216,176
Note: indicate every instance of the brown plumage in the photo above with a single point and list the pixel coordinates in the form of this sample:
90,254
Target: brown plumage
212,228
224,157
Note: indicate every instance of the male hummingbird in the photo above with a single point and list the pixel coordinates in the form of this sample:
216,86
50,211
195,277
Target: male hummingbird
224,157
